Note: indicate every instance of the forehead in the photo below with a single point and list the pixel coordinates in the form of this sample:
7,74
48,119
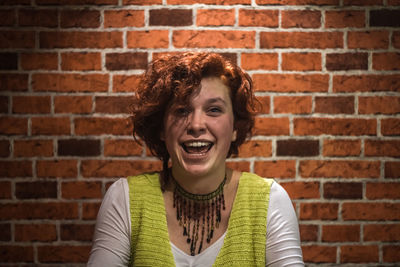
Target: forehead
212,88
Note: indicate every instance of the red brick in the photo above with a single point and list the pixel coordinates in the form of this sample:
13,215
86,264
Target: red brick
383,191
63,253
255,148
242,166
122,148
368,39
8,61
38,17
396,39
334,126
291,82
215,17
81,18
33,148
4,104
308,232
17,39
67,82
81,190
293,104
393,2
79,147
296,147
35,232
301,190
334,104
382,232
170,17
210,2
384,18
89,210
117,168
319,211
99,125
265,104
7,17
141,2
359,253
254,61
38,210
73,104
76,39
271,126
12,125
36,190
340,233
39,61
81,61
298,2
390,126
123,18
4,148
5,229
321,40
31,104
15,169
13,82
362,2
338,190
213,39
125,83
77,2
319,254
258,18
275,169
382,148
392,169
366,83
341,148
148,39
371,211
126,61
5,193
16,253
347,61
301,19
57,168
386,61
340,168
345,19
78,232
301,61
391,253
51,126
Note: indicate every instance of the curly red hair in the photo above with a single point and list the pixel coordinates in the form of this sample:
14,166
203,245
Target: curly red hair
175,78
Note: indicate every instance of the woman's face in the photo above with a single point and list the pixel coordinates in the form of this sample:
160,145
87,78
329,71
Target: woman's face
198,135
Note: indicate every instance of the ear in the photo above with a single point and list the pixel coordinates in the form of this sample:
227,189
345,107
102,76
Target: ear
234,136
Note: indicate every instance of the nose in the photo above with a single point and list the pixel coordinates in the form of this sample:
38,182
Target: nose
196,123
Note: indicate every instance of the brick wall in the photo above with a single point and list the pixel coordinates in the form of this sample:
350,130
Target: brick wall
327,71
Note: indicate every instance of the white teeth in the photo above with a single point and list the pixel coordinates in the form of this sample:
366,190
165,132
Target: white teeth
197,144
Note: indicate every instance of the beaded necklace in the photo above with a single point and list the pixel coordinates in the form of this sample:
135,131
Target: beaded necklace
195,209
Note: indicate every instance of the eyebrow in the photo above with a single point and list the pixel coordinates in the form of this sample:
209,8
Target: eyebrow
216,99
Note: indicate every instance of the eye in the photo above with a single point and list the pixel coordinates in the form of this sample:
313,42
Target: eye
181,111
215,110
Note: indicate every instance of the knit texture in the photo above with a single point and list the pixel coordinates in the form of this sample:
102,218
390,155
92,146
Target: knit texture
244,243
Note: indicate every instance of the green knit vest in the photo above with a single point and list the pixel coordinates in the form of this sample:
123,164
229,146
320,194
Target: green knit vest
244,243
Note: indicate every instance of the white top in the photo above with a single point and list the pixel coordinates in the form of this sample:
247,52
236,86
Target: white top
111,243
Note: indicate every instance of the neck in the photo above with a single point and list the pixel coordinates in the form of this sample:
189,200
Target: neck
200,184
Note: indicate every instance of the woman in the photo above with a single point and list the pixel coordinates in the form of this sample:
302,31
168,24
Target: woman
193,111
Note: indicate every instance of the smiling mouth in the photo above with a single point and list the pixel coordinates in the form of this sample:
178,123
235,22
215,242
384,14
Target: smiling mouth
198,147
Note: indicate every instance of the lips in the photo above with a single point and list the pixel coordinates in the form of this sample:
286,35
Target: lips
197,147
